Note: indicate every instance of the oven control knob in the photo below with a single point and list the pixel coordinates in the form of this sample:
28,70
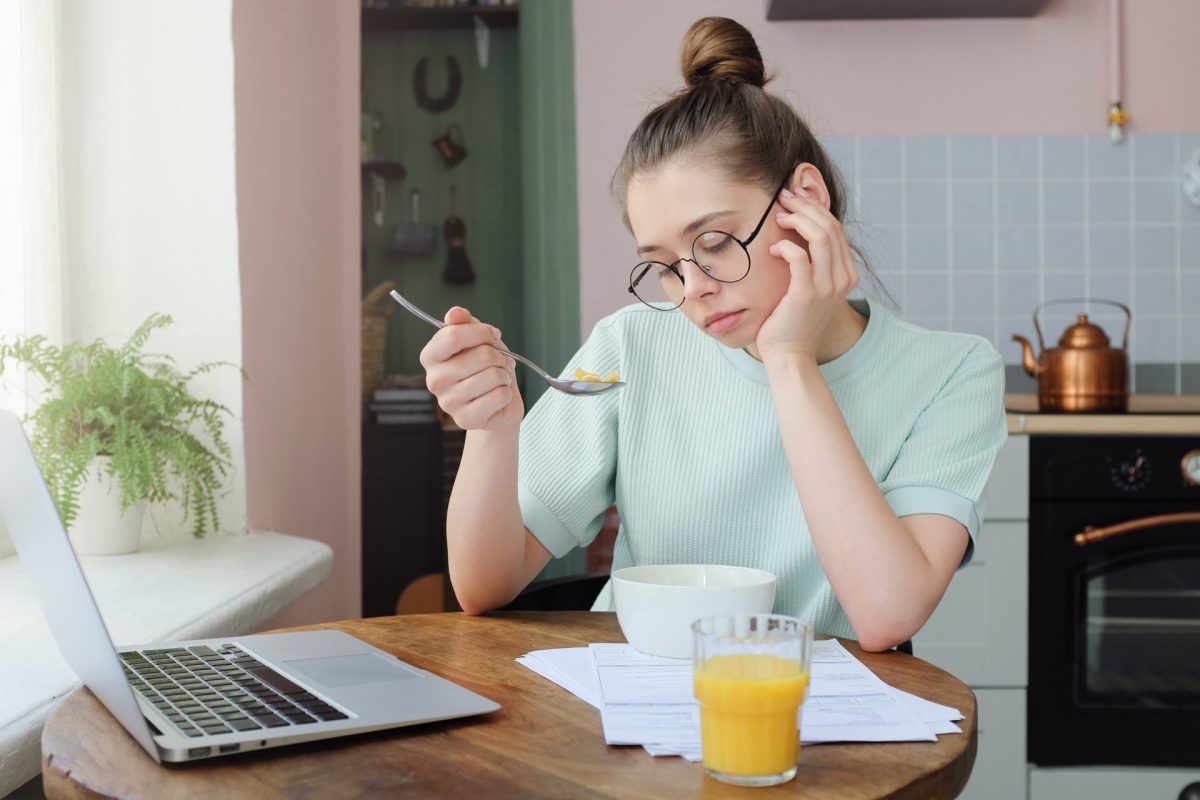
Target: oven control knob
1191,467
1131,473
1190,792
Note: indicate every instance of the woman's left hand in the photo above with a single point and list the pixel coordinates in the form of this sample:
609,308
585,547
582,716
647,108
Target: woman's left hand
822,275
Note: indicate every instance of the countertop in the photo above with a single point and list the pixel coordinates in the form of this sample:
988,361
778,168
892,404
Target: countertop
1024,418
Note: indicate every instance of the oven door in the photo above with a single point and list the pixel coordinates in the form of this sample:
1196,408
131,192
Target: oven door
1114,650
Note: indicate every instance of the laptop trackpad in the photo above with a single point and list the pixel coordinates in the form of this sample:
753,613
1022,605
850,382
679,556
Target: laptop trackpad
335,671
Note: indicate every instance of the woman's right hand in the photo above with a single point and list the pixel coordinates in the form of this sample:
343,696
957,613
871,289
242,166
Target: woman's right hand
474,383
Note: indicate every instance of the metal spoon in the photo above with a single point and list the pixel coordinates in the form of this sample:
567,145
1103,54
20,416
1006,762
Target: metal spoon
566,386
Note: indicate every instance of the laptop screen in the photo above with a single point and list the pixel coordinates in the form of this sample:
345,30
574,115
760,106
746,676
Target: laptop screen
58,580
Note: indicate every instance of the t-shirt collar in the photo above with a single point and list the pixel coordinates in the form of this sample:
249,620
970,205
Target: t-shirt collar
841,366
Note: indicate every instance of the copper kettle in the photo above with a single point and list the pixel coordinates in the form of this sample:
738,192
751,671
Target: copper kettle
1084,373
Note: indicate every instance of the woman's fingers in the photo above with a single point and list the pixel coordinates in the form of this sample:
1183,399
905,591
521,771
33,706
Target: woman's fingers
443,375
796,256
455,338
463,392
479,412
829,251
822,250
457,315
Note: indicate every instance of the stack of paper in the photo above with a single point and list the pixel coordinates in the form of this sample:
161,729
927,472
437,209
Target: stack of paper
648,700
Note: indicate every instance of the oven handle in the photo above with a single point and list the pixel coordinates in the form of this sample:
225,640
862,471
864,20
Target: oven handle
1091,534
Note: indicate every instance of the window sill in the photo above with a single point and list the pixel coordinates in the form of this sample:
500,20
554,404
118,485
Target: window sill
222,585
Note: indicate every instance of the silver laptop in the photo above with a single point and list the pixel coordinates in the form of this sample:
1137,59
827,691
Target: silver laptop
196,699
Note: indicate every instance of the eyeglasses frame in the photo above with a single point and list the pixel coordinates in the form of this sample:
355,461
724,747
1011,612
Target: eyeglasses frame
744,244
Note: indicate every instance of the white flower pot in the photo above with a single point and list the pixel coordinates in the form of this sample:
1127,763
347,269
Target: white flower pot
6,545
101,528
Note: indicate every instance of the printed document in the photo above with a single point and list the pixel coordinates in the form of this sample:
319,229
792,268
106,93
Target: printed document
648,700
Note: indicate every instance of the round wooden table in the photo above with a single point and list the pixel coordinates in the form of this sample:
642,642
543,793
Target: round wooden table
543,742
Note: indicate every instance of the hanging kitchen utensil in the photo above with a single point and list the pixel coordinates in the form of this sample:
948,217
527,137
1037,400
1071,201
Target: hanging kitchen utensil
483,37
378,173
413,238
1083,373
369,126
458,267
378,199
445,101
450,145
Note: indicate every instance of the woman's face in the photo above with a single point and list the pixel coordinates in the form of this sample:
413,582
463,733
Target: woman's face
670,206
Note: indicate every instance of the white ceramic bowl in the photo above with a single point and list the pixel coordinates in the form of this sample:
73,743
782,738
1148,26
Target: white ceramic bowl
656,605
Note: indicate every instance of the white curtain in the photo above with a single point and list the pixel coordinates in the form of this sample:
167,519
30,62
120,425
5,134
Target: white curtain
32,229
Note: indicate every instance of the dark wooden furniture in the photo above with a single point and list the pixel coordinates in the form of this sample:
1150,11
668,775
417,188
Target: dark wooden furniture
781,10
436,18
568,593
403,511
543,742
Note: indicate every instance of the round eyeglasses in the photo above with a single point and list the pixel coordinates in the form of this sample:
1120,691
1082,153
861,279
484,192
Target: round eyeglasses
721,255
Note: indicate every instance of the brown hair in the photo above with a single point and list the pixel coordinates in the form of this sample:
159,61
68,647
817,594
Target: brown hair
726,119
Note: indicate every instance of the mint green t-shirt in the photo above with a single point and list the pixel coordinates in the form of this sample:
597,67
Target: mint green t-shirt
690,451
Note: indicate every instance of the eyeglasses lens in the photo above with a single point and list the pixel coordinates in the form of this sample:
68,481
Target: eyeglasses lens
719,254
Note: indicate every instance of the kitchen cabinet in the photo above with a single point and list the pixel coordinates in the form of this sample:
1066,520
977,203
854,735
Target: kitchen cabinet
403,517
1113,783
779,10
1000,771
979,631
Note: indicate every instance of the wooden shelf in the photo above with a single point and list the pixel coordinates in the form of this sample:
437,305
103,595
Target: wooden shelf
780,10
421,18
391,170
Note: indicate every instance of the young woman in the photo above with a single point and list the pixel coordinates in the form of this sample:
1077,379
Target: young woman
766,421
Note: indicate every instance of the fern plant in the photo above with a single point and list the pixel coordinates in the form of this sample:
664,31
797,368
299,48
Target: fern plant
100,400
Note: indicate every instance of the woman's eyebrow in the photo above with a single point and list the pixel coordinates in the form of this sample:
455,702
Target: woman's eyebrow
691,227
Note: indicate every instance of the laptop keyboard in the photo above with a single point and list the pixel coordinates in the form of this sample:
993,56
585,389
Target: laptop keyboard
206,691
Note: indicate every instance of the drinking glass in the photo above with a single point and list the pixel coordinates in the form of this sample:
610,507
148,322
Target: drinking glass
751,673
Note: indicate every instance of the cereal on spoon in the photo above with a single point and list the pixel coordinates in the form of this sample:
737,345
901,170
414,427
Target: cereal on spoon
584,375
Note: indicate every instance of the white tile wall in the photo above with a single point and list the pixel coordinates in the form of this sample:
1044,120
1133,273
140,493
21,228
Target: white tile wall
973,232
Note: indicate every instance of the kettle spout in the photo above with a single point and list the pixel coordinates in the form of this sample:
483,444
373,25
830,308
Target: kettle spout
1028,361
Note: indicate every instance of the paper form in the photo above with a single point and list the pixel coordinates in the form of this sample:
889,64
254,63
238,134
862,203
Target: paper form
648,700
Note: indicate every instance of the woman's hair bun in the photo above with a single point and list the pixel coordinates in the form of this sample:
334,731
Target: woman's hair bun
717,48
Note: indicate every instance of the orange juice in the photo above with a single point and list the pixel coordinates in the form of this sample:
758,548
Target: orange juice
748,709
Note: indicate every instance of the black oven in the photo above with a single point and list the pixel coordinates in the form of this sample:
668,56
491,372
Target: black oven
1114,600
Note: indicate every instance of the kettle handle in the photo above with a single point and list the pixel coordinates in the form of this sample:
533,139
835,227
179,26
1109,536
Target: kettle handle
1128,317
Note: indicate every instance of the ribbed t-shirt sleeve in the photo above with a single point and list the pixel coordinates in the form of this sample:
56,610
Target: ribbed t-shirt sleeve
944,464
566,474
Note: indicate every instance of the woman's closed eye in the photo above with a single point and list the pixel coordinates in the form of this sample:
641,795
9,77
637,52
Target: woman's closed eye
714,243
662,271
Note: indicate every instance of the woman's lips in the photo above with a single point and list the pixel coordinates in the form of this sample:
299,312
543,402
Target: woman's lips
725,322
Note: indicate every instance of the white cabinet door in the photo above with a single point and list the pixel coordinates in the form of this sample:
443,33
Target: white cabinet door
978,632
1000,771
1111,783
1006,495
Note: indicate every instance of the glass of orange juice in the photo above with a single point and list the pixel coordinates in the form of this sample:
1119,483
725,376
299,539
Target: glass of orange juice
751,673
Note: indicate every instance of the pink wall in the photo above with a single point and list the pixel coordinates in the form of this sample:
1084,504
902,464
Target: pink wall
1045,74
296,76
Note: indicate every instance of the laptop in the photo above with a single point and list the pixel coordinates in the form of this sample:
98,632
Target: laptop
195,699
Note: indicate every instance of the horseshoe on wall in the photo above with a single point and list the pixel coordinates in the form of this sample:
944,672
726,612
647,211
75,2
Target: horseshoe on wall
437,104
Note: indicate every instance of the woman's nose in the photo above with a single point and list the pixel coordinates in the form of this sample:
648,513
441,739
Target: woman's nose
696,281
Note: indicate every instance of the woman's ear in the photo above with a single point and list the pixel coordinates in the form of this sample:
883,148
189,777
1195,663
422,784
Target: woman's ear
807,181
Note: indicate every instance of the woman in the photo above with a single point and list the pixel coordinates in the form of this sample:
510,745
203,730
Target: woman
766,421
